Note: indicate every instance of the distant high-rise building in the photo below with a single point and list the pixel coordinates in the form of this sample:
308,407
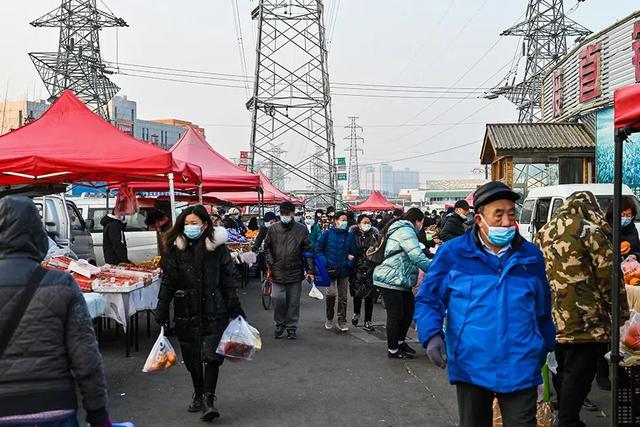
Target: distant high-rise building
14,114
385,179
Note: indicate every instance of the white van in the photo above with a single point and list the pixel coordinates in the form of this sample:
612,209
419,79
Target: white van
142,244
542,204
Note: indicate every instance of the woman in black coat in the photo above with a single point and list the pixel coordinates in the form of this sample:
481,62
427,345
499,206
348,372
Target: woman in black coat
200,278
361,280
628,230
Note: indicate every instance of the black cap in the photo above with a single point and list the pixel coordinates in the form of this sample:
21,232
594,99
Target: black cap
287,207
269,216
462,204
492,191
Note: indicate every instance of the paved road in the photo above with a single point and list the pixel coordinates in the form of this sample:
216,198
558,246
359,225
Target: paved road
321,379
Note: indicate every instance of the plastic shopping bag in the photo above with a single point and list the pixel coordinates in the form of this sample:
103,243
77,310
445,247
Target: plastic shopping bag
238,341
162,355
630,334
256,334
315,293
631,270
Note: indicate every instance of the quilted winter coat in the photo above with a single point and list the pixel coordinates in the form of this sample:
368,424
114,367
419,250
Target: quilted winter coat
54,347
403,257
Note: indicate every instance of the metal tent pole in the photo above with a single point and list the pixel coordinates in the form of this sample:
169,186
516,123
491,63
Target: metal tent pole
172,197
200,197
620,136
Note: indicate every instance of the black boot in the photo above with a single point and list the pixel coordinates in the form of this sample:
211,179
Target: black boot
196,405
209,412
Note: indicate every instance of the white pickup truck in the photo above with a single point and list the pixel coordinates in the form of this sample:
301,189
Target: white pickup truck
142,244
65,224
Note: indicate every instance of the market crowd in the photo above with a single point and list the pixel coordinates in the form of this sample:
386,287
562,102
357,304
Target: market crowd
487,304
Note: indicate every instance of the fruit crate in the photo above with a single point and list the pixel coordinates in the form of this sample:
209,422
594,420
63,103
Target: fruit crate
629,397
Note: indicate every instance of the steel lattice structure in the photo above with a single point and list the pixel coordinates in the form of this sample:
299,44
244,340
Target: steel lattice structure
353,179
291,103
545,31
77,65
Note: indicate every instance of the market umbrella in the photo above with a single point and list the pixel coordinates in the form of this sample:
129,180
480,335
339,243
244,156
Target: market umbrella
626,102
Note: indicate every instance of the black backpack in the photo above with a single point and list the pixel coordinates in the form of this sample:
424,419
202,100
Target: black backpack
375,251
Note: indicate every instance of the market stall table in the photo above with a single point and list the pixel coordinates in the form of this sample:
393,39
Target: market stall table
123,307
95,303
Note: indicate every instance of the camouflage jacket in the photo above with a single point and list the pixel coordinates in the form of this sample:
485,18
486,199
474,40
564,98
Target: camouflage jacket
578,256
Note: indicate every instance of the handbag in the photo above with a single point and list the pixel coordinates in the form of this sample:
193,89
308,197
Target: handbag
25,298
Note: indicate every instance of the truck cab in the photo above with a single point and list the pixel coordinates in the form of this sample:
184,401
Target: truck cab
65,224
541,204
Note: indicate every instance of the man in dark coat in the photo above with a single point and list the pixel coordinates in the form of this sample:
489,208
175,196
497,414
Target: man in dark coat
160,222
288,255
53,348
114,244
454,223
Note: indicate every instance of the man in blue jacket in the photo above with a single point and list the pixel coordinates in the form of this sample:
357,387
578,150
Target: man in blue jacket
492,287
337,248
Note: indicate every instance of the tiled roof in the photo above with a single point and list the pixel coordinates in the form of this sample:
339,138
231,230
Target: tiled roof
528,136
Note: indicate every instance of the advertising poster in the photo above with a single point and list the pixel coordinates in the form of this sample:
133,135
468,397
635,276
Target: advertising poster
604,153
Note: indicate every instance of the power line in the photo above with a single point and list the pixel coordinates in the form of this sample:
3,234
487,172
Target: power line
445,150
241,79
243,57
333,94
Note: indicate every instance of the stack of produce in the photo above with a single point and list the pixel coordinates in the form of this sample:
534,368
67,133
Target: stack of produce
62,263
235,237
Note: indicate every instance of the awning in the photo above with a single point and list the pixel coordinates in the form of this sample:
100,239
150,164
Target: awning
270,195
218,172
71,144
627,108
375,202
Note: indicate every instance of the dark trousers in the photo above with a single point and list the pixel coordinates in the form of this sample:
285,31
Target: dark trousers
368,307
577,365
602,370
475,406
286,297
400,306
339,289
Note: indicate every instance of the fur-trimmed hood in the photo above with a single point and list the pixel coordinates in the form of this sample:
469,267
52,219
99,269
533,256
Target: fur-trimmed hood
220,236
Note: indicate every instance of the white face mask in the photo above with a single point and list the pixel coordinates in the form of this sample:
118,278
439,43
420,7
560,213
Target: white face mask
308,221
365,227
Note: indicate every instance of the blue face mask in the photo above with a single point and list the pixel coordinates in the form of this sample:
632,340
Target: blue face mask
626,221
286,219
192,231
342,225
500,236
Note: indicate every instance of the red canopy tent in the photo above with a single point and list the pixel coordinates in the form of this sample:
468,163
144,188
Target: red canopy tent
270,195
70,143
375,202
626,104
218,172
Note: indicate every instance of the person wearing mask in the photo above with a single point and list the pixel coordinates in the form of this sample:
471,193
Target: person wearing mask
628,230
234,222
114,243
267,221
337,248
454,224
426,240
397,275
161,223
288,255
47,344
361,280
309,222
299,217
492,287
579,260
317,228
199,277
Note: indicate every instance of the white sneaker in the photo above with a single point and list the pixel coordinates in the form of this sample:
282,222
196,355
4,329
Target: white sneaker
328,325
342,327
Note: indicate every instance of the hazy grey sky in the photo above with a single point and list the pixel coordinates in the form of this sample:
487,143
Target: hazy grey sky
424,42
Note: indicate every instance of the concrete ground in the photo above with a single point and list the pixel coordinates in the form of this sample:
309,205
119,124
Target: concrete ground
323,378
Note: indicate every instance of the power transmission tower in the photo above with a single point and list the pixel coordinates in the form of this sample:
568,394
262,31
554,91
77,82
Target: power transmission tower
544,32
291,105
353,179
276,173
77,65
